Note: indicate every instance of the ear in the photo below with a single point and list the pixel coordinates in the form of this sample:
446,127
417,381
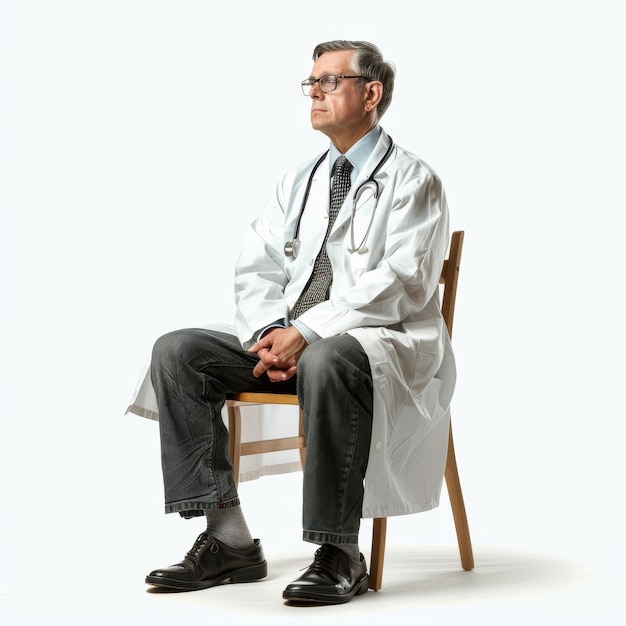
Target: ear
373,92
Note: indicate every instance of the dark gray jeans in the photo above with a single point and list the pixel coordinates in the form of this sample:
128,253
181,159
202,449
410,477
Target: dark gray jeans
193,370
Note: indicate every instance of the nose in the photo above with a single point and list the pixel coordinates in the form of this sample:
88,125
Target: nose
315,92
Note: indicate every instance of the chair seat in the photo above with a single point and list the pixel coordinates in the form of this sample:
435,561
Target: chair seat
249,397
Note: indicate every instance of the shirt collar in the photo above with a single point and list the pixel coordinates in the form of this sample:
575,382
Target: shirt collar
359,153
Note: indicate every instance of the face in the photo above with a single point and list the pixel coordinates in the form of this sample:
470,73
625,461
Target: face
344,115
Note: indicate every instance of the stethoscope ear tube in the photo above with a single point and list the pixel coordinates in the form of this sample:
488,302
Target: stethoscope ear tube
291,248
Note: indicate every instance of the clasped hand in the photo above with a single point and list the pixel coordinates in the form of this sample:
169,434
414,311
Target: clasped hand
278,352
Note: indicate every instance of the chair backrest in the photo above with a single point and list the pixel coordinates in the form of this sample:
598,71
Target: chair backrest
450,278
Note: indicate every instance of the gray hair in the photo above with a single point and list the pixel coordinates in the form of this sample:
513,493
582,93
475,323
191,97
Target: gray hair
369,62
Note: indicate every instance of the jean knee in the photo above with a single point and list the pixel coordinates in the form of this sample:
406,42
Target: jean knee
326,358
315,360
169,348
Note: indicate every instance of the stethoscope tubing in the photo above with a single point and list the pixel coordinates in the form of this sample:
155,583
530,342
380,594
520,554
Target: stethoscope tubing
291,247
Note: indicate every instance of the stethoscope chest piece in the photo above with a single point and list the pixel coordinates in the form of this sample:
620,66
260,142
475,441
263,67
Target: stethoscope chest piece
292,248
361,250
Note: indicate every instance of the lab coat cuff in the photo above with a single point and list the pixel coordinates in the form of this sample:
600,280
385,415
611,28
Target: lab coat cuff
276,324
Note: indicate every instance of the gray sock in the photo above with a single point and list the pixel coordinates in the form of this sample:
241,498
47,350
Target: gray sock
351,549
228,525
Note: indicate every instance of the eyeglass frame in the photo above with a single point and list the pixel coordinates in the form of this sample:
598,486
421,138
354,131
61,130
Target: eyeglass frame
309,82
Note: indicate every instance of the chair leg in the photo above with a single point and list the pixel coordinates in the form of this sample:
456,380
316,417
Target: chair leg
453,485
301,434
234,439
379,536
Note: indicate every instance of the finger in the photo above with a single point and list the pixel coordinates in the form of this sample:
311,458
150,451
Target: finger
267,357
259,369
264,342
277,375
290,372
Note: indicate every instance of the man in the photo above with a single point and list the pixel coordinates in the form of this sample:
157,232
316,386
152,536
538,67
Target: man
337,301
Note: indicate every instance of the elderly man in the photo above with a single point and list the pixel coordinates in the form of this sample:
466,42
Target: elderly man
337,301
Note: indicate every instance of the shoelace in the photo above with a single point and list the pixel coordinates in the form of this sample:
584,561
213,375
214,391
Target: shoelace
325,560
201,541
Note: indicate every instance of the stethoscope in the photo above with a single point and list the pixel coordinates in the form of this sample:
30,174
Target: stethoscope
292,247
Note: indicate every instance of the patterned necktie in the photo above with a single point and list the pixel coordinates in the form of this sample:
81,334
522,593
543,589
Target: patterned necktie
317,288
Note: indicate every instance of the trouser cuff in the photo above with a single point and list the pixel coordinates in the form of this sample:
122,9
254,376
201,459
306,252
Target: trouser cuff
196,508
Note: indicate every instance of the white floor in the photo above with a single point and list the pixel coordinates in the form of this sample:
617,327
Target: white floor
96,575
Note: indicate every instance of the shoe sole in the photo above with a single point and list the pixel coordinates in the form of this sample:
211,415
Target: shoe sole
310,597
242,575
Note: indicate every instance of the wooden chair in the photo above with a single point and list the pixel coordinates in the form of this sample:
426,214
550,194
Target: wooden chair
449,280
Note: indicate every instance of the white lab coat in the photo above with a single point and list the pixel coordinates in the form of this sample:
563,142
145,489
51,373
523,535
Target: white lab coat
385,295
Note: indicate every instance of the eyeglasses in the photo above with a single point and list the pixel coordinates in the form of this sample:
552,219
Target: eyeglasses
327,83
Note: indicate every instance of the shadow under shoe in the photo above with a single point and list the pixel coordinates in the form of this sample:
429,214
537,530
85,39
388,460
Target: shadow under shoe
332,578
211,562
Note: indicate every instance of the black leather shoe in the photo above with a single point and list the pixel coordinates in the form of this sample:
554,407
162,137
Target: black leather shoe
332,578
211,562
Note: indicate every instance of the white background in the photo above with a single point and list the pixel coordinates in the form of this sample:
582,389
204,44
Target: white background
121,208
